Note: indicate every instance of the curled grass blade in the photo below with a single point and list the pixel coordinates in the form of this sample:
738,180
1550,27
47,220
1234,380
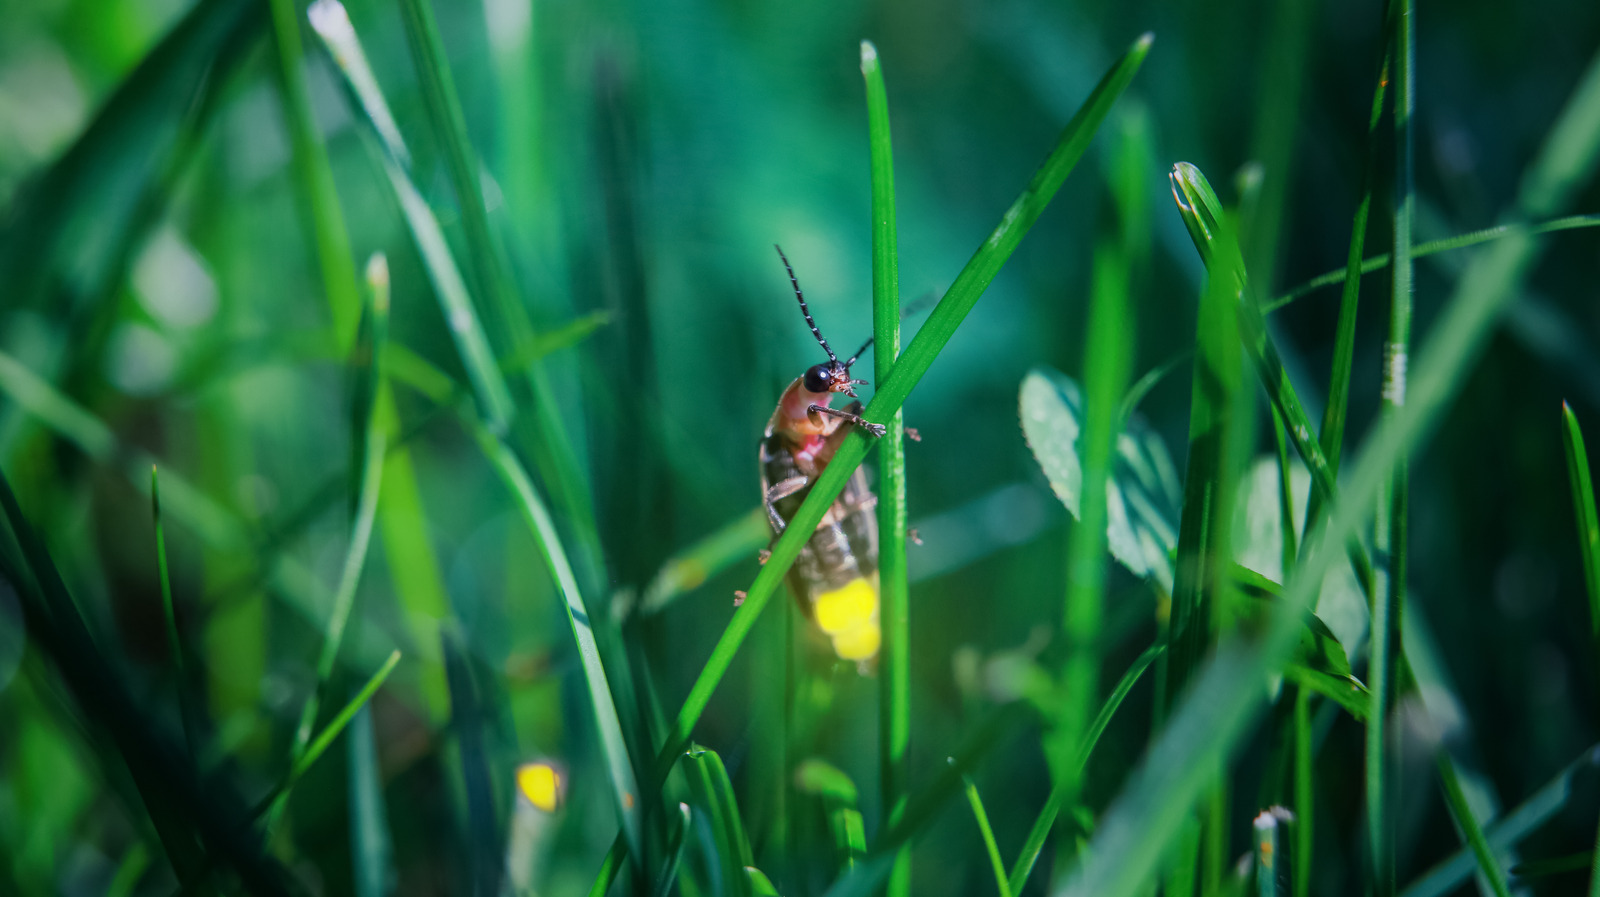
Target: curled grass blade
894,605
675,842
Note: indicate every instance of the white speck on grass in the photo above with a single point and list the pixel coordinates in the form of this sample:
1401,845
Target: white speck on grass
869,56
1394,373
460,320
330,20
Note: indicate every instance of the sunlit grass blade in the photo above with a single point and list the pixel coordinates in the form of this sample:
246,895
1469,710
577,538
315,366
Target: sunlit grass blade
1052,806
987,832
315,177
760,885
892,392
1381,261
1143,821
894,665
180,667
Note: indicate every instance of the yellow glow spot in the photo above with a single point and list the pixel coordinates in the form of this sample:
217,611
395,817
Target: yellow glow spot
848,608
860,643
541,785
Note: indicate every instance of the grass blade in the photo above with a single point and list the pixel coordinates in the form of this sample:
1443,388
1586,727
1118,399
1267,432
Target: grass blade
893,603
315,176
1583,508
1304,793
371,847
1269,854
838,794
1052,806
675,842
1389,533
186,710
708,782
1470,829
987,832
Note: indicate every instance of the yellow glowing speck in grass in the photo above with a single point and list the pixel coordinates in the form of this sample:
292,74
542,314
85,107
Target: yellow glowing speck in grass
847,608
540,784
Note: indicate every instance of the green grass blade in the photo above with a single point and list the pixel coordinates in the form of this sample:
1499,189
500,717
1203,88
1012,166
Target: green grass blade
1143,821
690,568
624,788
1583,507
1037,835
1389,537
838,795
893,603
1470,829
1381,261
371,446
315,177
760,885
722,816
1331,435
675,842
332,24
987,832
1272,143
180,667
371,847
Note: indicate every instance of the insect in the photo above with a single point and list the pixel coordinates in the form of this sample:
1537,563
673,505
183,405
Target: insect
835,578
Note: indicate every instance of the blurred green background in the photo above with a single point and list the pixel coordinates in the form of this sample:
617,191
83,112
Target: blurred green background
161,299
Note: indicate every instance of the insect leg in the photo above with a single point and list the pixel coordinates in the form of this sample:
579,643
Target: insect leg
871,428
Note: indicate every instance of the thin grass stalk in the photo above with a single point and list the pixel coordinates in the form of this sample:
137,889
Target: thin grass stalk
1471,832
1034,844
1381,261
180,667
891,392
1588,521
371,445
1269,854
1389,532
315,178
1286,528
893,599
987,832
1331,434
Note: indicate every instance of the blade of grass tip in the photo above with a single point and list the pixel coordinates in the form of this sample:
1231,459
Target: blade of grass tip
1583,507
1389,531
675,842
893,602
186,710
1470,830
315,177
760,885
1145,817
1331,435
1304,785
1445,244
987,832
1052,807
891,393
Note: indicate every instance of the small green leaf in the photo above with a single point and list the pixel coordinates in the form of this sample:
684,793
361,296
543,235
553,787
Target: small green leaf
1142,493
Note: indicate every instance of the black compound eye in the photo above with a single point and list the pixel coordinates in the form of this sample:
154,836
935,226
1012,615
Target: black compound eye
817,379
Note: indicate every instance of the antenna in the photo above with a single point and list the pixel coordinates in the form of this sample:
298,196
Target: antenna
803,310
858,353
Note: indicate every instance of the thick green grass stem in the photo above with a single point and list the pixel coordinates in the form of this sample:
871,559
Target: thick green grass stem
1389,533
894,603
